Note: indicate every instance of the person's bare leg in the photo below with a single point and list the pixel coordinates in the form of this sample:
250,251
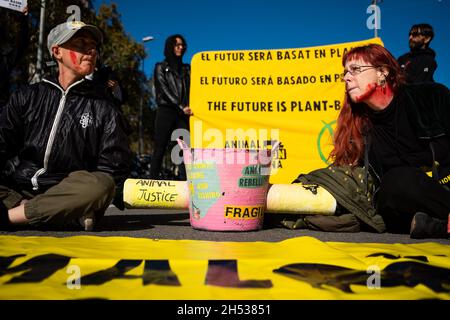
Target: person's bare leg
17,215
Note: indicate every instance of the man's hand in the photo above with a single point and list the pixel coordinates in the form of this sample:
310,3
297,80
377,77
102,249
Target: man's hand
112,83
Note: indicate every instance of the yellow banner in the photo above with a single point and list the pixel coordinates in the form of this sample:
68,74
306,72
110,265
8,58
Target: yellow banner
85,267
248,99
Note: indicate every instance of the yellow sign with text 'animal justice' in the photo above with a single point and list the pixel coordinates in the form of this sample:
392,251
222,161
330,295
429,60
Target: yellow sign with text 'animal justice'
86,267
248,99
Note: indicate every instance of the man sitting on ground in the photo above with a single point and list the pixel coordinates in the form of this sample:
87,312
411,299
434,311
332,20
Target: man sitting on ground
70,141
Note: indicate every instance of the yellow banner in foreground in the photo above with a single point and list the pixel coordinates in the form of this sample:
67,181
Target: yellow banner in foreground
301,268
248,99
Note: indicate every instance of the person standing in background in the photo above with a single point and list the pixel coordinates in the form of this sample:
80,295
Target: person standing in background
172,83
419,63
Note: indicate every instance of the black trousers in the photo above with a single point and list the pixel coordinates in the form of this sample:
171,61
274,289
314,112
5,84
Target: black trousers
167,120
407,190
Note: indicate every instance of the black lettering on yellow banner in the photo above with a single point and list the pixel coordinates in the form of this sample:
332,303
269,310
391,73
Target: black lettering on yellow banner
293,54
159,272
155,272
338,52
403,273
116,272
36,269
410,271
224,273
252,106
317,275
228,56
5,262
244,212
259,55
319,105
294,80
243,144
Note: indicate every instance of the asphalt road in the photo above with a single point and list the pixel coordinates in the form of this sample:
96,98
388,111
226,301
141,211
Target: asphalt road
174,224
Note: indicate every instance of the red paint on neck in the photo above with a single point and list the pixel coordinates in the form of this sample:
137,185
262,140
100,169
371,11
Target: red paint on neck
370,90
376,95
382,96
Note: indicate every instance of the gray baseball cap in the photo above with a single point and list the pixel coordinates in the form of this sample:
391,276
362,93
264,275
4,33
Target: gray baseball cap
65,31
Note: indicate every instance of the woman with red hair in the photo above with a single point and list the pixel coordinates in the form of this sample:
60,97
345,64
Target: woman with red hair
398,132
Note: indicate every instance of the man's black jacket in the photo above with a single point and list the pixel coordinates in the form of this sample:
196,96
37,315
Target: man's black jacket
54,132
419,65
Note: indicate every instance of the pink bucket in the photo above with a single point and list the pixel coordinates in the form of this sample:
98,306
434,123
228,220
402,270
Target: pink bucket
227,187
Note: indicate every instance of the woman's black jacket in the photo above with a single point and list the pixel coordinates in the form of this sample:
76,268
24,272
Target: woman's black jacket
172,89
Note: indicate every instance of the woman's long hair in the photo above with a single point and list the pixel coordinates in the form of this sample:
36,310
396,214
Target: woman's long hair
174,61
353,122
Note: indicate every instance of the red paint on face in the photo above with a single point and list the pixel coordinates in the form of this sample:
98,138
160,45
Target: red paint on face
73,57
377,95
370,90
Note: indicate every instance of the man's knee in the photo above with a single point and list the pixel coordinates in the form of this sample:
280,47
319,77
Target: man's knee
79,193
97,186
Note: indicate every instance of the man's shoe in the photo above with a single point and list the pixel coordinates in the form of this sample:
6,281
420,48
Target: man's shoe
87,222
424,226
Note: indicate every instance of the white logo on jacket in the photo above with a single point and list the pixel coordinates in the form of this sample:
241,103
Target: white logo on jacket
86,120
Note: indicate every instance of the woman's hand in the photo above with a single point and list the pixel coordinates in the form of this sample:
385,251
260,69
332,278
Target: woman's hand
187,111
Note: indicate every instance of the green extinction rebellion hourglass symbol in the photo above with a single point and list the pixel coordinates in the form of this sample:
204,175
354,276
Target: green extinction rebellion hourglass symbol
325,138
